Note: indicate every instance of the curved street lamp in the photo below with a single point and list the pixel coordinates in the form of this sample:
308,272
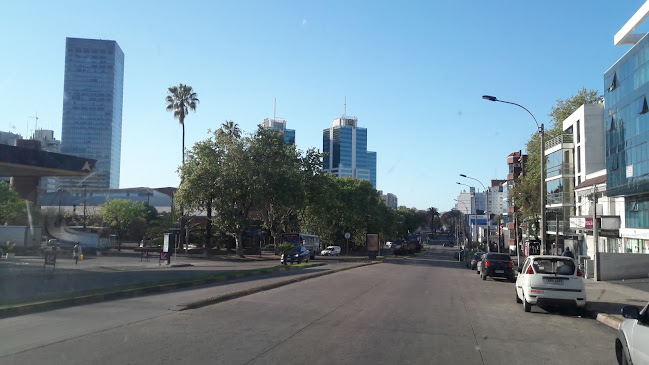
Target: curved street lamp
486,210
475,215
542,132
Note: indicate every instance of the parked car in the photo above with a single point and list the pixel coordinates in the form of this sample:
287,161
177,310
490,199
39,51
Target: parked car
496,265
472,261
297,254
550,280
631,344
331,251
448,244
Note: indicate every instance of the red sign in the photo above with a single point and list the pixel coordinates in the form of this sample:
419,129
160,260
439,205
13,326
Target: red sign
588,222
145,254
164,256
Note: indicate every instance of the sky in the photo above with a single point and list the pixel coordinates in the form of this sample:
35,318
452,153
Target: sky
413,72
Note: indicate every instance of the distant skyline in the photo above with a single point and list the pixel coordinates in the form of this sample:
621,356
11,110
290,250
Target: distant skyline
412,72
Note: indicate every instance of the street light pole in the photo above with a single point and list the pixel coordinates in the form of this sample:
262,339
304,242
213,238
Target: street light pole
475,216
486,210
541,131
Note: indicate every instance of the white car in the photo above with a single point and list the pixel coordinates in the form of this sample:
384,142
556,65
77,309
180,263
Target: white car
550,280
331,251
633,337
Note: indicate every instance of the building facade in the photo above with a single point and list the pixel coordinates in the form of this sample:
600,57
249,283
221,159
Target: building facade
279,125
346,147
92,109
626,87
390,200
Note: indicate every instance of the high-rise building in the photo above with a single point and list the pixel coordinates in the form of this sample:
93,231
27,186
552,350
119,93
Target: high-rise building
390,200
49,144
346,146
279,125
92,109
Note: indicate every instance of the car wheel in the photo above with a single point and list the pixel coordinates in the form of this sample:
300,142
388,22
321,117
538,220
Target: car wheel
527,307
518,300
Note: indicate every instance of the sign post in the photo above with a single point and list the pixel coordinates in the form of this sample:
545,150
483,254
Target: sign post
372,240
145,255
347,235
50,258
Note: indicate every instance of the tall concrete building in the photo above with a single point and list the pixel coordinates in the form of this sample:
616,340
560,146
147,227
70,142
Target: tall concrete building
92,109
279,125
49,144
346,146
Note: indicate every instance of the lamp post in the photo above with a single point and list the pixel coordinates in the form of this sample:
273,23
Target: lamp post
85,194
475,215
487,209
462,229
541,131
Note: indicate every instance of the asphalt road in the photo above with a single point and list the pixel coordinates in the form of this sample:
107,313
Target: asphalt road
424,310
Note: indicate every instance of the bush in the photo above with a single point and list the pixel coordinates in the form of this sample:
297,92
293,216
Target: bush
269,247
285,248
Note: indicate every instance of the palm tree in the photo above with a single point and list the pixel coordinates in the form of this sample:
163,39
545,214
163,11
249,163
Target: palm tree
181,99
231,129
432,212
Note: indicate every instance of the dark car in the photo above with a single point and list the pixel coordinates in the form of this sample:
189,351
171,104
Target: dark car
297,254
449,244
472,263
496,265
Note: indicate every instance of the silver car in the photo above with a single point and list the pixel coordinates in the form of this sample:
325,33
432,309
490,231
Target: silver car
632,342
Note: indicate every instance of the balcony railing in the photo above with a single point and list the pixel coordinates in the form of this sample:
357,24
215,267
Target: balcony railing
560,198
566,169
564,138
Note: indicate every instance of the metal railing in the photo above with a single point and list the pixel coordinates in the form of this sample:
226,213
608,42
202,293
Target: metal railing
564,138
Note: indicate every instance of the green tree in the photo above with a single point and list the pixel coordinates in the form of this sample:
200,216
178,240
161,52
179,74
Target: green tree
528,188
432,213
277,182
12,207
181,99
234,183
120,214
198,190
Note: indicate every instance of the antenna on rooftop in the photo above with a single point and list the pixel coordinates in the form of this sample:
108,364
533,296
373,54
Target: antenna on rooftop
35,124
274,108
345,110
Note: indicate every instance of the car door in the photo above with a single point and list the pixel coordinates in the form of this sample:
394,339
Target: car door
640,338
520,279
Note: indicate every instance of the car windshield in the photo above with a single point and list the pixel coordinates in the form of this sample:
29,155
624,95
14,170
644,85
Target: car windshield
554,266
295,250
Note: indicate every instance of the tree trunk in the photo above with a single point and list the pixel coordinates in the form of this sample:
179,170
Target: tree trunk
208,228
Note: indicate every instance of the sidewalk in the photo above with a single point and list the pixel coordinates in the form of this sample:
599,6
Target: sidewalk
605,299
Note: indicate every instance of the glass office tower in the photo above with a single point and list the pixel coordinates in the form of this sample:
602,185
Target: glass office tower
346,146
92,109
627,133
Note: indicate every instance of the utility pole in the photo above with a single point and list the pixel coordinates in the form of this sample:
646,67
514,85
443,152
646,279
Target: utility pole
595,234
85,194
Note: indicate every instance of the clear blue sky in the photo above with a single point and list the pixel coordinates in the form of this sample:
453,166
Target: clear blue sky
413,73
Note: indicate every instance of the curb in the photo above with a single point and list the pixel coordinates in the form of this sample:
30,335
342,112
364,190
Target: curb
245,292
607,319
129,293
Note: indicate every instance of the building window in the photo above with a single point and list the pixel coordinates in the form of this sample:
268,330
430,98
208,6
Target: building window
578,132
613,85
578,159
644,109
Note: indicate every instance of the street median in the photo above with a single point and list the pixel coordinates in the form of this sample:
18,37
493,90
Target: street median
34,305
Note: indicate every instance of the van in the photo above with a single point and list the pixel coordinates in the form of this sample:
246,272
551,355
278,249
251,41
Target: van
331,251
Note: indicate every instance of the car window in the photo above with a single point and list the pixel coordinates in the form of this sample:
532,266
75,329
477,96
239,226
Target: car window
554,266
498,256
